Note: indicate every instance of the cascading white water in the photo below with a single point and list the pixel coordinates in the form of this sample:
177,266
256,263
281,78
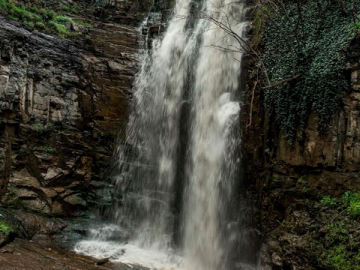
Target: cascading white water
190,81
212,172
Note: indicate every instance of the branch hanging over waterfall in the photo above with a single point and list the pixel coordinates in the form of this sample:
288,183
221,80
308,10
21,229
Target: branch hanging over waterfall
281,82
223,22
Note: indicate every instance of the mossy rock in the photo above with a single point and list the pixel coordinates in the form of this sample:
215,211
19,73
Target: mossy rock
7,232
10,227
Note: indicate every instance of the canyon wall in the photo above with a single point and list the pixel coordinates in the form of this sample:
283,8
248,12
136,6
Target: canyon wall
301,188
63,104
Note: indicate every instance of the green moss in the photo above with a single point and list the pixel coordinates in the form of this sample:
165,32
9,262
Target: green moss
5,228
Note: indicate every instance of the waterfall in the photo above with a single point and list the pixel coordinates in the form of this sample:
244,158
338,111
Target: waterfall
178,171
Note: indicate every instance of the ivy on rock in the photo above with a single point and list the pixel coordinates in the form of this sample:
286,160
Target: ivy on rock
307,40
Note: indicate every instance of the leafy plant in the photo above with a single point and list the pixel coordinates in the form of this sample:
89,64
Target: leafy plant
37,127
62,19
339,259
356,26
305,190
61,29
65,7
5,228
352,201
302,181
328,201
85,24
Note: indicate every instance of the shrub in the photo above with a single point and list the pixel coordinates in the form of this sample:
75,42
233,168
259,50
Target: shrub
352,201
328,201
65,7
85,24
339,259
42,19
40,25
61,29
62,19
47,14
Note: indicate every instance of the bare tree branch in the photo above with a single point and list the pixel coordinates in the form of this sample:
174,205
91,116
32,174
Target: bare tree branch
281,82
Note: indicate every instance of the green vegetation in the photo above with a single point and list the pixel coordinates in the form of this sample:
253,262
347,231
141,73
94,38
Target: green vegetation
5,228
335,242
327,200
37,127
338,258
350,202
306,42
305,190
261,15
70,9
338,253
85,24
41,128
302,181
41,19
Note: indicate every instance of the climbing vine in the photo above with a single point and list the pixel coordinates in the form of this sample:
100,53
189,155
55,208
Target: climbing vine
306,41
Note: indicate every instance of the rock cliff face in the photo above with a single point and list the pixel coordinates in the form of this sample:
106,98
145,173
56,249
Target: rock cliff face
62,105
292,180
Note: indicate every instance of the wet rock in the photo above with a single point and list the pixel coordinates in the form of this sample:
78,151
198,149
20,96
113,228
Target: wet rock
9,227
277,260
292,179
7,250
37,225
265,262
62,104
75,200
102,261
32,255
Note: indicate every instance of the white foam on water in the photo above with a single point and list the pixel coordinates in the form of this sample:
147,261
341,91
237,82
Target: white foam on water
129,254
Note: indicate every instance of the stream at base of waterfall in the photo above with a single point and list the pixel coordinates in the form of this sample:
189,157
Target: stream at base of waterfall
177,178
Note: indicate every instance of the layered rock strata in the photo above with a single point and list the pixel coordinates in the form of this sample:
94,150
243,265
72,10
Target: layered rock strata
62,105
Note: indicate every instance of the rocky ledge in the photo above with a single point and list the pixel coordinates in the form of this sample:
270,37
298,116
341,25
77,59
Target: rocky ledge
62,105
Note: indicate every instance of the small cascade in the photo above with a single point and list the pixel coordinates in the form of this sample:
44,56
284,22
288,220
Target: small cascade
178,175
